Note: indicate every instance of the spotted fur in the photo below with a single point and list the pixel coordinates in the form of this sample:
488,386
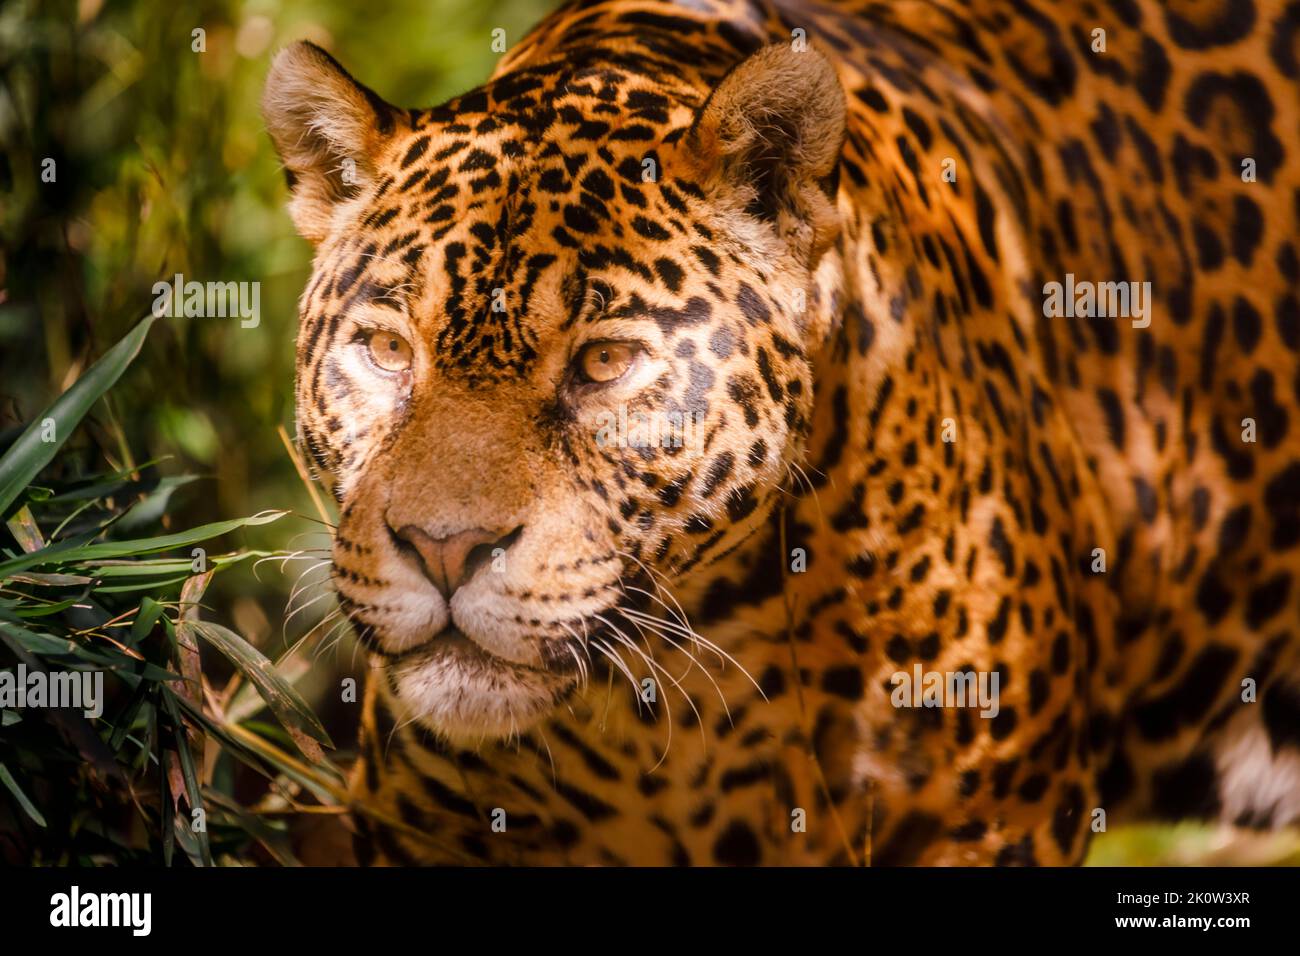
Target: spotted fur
785,177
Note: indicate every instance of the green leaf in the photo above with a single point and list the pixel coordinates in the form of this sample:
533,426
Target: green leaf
102,485
275,839
145,619
81,552
152,585
47,645
279,694
12,785
263,761
150,509
193,793
52,580
124,723
25,530
37,643
30,453
46,610
162,567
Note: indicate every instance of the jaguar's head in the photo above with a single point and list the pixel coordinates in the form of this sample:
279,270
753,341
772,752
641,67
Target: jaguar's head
554,353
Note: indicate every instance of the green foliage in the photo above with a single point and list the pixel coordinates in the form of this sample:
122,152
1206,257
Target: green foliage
118,780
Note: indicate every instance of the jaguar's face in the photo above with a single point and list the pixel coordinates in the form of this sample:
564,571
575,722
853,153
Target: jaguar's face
544,377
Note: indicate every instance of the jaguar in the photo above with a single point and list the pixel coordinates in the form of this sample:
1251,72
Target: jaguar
834,236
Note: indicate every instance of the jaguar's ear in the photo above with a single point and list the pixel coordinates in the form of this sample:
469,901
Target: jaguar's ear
769,137
328,130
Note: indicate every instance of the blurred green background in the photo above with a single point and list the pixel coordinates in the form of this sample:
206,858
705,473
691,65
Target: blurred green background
161,166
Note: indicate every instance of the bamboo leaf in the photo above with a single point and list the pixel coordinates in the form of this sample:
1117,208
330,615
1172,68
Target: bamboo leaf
32,452
25,530
185,742
12,786
279,694
82,552
145,619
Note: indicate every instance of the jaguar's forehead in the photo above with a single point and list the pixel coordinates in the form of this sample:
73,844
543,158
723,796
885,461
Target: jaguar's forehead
523,209
597,131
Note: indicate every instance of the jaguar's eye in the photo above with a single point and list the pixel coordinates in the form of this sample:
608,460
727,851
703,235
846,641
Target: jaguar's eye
389,350
605,361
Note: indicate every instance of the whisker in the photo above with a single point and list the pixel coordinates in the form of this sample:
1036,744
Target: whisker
659,626
313,601
618,661
654,666
699,719
703,642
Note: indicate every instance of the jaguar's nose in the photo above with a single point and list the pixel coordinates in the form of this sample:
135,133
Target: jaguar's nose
450,561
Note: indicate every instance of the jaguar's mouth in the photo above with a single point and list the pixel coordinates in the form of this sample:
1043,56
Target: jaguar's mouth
451,640
455,686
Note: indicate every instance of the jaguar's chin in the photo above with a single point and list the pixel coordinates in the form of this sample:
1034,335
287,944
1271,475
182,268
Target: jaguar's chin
456,688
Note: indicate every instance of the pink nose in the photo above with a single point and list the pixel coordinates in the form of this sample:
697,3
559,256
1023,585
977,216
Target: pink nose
448,562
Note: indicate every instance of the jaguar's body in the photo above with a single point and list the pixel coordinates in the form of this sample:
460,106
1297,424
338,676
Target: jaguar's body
837,254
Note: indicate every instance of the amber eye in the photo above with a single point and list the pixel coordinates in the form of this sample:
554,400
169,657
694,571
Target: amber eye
389,350
605,361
